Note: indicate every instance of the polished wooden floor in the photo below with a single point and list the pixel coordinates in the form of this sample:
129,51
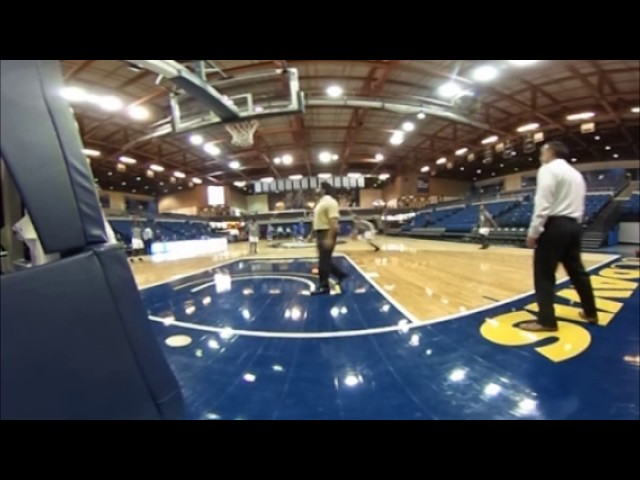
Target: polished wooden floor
429,279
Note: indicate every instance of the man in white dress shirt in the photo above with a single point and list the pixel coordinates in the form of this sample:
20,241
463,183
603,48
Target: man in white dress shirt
555,233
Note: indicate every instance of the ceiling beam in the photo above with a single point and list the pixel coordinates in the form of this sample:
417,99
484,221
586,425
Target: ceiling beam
496,93
133,80
301,138
78,68
607,106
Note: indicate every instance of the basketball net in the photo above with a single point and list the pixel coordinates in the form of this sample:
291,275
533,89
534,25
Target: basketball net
242,133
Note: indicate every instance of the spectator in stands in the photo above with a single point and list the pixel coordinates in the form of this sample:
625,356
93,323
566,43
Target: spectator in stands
555,233
147,237
269,232
485,223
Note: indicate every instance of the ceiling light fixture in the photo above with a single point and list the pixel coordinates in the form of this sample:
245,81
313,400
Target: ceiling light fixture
397,138
486,73
523,63
138,112
528,127
110,103
580,116
91,153
335,91
408,126
324,157
74,94
212,149
449,90
196,139
491,139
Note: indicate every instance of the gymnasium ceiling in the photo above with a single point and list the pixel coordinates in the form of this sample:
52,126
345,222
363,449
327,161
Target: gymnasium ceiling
544,93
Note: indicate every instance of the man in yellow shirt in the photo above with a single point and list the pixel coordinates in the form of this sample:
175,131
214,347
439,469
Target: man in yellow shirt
325,225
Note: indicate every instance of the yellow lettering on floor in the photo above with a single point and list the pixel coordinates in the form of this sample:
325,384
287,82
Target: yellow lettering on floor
613,293
602,282
571,339
624,265
601,303
620,273
573,313
630,260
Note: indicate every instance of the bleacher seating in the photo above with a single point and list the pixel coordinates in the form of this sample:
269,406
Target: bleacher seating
594,204
605,179
518,217
631,208
513,216
464,220
163,230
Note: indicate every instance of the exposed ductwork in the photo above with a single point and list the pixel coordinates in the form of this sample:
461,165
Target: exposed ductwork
397,107
193,85
165,127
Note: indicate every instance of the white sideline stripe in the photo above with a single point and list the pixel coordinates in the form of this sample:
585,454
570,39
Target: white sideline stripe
513,299
256,277
409,316
356,333
212,267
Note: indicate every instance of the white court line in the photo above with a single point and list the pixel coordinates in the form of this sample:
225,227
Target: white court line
213,267
256,277
408,315
263,334
404,328
512,299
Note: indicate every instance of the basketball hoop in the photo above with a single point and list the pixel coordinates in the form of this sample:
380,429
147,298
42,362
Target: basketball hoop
242,133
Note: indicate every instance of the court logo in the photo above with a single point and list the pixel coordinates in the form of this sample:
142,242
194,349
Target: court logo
612,285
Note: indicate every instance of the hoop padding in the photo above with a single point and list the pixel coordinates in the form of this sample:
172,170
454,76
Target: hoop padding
242,133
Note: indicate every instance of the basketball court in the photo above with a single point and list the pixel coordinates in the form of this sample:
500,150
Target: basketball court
185,323
418,332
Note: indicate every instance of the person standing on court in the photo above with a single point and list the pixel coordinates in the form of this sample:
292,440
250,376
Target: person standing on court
325,225
485,223
366,229
555,233
137,245
147,238
254,235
